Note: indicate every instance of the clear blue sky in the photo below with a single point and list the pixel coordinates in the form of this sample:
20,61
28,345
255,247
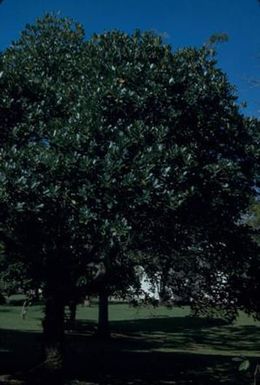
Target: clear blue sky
184,22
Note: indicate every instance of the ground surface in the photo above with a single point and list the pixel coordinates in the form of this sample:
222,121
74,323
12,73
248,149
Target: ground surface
148,346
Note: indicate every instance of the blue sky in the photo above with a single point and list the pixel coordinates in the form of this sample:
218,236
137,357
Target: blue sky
183,22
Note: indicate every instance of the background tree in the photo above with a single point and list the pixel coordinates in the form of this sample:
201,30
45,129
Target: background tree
249,288
202,160
179,97
208,155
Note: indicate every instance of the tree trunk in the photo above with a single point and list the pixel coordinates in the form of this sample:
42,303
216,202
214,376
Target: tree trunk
53,330
103,319
36,295
72,314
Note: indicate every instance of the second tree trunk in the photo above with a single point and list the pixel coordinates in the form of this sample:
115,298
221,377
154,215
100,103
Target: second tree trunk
103,318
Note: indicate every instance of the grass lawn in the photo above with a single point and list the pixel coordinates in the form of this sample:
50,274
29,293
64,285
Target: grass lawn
149,346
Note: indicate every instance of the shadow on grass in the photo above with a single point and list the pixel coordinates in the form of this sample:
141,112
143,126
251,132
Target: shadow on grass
19,350
166,324
192,333
181,350
158,368
132,357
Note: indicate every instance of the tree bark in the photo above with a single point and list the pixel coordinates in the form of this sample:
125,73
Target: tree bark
53,330
103,316
36,295
72,314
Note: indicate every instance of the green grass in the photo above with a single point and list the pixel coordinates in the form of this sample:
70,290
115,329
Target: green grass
165,329
160,340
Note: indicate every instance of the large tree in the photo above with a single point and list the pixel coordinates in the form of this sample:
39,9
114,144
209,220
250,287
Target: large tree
43,162
248,288
114,151
203,172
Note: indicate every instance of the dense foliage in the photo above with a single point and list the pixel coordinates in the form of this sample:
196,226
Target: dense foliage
118,151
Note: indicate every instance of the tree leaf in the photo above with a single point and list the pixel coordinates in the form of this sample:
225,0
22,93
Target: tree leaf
244,365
